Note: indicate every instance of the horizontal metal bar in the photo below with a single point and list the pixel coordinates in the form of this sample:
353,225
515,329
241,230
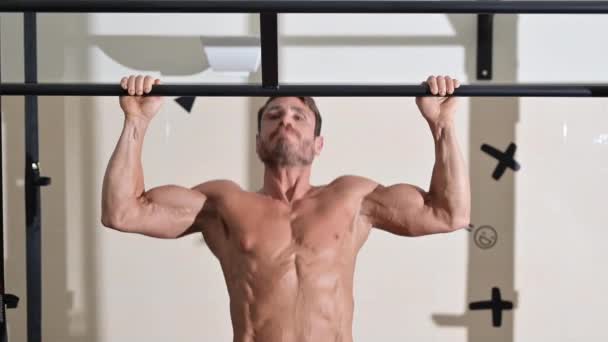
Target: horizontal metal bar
304,6
337,90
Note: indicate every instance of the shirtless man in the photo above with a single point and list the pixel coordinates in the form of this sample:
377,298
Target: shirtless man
287,251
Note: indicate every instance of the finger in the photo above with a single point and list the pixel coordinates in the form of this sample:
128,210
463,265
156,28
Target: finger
449,85
124,82
131,85
456,83
441,85
148,81
432,83
139,85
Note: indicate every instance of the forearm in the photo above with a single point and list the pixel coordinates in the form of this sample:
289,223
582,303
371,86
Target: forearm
449,189
123,182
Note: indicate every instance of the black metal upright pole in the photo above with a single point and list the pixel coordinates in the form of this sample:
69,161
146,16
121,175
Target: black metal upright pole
32,191
3,323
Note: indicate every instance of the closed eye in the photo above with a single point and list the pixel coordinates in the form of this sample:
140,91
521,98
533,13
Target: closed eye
273,115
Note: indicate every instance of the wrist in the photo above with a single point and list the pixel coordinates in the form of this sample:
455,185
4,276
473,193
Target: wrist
137,120
440,127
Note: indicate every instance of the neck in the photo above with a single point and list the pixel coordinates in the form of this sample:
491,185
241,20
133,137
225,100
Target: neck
287,184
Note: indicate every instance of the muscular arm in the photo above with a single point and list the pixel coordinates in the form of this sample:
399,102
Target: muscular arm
450,191
165,212
407,210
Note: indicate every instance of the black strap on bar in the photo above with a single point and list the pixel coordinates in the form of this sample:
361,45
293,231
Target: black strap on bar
32,191
337,90
270,50
305,6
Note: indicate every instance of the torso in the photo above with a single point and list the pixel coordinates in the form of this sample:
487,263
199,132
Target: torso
289,268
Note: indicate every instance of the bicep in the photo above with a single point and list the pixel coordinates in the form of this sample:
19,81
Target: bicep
403,209
168,211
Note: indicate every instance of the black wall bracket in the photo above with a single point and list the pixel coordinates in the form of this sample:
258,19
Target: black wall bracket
485,33
269,46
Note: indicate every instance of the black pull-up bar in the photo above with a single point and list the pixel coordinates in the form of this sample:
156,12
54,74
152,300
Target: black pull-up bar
226,90
304,6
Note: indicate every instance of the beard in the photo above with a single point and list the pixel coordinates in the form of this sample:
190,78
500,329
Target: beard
286,153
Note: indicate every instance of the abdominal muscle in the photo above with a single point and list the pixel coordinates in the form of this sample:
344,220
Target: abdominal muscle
295,299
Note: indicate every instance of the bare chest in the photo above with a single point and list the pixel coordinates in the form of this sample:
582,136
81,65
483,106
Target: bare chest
267,230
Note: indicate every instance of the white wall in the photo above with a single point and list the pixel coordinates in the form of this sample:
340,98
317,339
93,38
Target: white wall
101,285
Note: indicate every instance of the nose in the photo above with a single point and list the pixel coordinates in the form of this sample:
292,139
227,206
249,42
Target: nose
286,120
286,123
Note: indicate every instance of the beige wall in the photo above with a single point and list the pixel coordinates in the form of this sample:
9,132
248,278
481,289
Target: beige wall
100,285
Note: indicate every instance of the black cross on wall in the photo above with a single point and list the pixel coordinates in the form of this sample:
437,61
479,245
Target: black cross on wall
505,159
496,304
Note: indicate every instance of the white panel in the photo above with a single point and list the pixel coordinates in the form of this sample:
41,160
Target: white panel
562,48
204,24
369,64
366,24
561,221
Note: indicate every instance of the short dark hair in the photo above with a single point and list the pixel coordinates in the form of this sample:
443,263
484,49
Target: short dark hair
307,100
